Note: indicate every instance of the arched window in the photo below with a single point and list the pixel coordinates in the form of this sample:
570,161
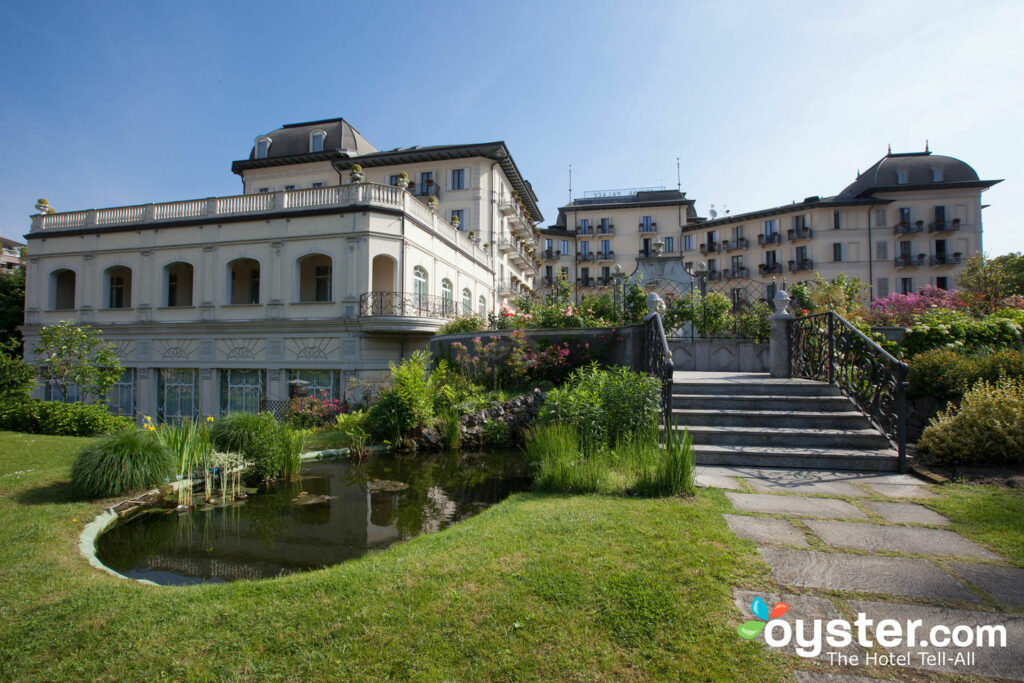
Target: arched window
244,281
467,302
315,278
262,147
447,297
482,306
178,277
119,287
419,287
316,141
62,290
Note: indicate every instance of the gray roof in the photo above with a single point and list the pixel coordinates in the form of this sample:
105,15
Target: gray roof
10,244
881,176
636,200
808,203
289,144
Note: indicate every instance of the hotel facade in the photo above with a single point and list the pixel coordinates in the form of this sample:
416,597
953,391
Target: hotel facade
909,221
337,259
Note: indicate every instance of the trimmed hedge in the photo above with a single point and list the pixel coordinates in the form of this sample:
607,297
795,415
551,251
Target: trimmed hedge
61,419
946,374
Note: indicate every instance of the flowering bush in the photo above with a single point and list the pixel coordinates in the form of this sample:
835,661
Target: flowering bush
958,330
314,411
902,309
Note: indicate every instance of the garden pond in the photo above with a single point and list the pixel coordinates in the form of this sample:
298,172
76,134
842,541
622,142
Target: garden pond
336,511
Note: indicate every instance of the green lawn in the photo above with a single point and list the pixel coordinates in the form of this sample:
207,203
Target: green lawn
540,587
988,514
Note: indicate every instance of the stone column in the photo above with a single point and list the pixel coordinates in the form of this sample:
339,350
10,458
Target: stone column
778,341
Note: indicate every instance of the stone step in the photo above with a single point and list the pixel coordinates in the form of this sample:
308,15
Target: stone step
766,402
788,437
870,460
755,387
693,417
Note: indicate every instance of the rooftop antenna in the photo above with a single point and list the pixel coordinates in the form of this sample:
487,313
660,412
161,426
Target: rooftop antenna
712,212
570,183
926,146
679,182
890,148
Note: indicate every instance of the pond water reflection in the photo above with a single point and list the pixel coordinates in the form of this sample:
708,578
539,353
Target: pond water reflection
337,511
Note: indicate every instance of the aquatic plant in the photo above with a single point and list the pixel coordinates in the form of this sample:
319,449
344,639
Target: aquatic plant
554,453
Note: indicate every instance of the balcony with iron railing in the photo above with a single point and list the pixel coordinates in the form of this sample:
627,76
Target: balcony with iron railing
549,254
910,261
904,228
584,229
946,260
606,229
589,256
773,238
653,227
769,268
606,255
737,273
710,248
802,264
797,234
407,305
734,244
714,275
943,226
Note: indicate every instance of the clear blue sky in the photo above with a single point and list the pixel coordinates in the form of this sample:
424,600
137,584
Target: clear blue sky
122,103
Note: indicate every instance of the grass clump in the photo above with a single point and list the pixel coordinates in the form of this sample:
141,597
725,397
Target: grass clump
554,452
987,427
126,461
271,450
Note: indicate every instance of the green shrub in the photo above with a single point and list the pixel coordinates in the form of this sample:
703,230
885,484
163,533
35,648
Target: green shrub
495,433
957,330
352,427
16,376
58,418
987,427
1014,314
752,321
605,406
466,323
257,437
126,461
711,315
945,374
390,417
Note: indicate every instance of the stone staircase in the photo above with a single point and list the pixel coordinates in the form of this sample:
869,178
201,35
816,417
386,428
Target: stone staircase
757,420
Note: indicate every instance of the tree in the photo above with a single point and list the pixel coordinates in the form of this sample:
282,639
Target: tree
75,355
987,281
12,309
16,376
1014,265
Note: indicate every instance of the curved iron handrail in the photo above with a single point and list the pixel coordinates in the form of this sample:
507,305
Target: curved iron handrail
407,305
827,348
658,362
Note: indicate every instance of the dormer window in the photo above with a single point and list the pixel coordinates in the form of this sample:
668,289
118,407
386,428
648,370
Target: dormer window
316,141
262,147
901,177
936,175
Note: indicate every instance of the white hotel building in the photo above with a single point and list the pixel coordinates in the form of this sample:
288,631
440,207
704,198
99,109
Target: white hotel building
313,273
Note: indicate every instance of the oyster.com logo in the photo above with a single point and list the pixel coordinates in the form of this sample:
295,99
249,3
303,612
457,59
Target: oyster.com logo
750,629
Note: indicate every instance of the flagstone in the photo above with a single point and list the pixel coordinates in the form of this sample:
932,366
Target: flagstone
898,539
794,505
905,513
1005,584
871,574
765,530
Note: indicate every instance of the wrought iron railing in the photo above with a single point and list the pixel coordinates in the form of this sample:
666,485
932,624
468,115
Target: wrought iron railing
407,305
827,348
658,363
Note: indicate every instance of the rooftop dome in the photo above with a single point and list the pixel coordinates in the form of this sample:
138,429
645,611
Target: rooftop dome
293,139
916,170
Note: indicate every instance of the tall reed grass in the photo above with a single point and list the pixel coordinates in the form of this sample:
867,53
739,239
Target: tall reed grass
554,452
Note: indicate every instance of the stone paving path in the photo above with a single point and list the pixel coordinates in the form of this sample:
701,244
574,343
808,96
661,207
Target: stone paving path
842,543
